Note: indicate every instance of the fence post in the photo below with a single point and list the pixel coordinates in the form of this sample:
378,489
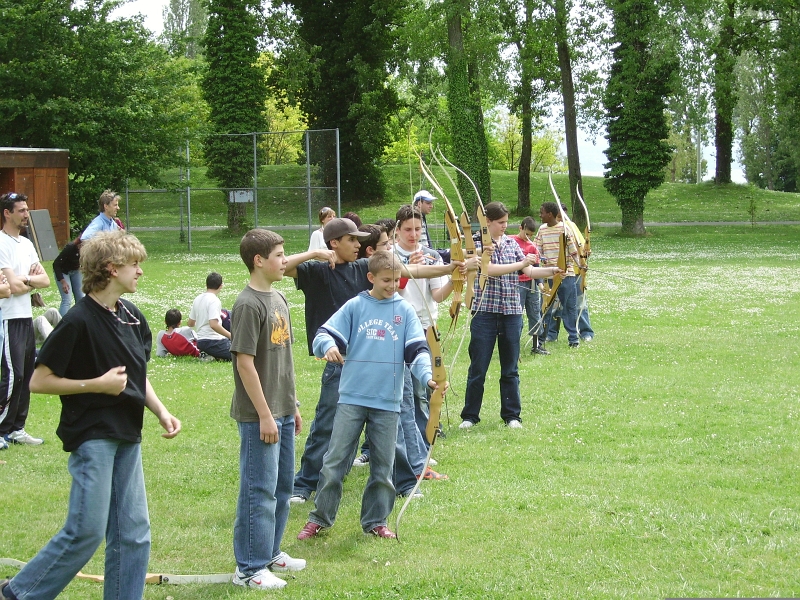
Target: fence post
308,179
255,181
338,177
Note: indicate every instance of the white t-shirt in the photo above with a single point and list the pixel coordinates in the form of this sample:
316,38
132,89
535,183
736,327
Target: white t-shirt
206,306
17,254
418,292
317,241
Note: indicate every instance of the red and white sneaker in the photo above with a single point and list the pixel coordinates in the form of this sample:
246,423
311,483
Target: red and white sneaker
309,530
383,531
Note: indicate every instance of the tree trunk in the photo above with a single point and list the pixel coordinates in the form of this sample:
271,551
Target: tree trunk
237,214
633,223
725,94
570,118
524,172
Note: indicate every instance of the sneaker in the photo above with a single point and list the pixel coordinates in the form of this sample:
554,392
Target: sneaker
574,344
540,350
361,461
433,462
284,563
587,338
23,437
430,474
405,494
383,531
262,580
205,357
466,424
3,443
309,530
514,424
297,499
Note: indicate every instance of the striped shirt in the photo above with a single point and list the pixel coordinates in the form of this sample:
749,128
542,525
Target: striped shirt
547,242
500,294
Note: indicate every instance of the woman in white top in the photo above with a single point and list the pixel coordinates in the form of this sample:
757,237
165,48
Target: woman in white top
317,241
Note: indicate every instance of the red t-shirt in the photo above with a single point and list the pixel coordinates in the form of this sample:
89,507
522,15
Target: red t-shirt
527,248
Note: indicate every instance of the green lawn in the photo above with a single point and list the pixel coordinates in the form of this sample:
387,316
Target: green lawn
660,460
281,206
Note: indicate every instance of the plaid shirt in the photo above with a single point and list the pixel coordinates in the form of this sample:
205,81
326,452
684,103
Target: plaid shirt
500,294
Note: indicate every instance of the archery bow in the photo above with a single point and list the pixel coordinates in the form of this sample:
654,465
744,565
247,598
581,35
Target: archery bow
587,244
152,578
480,213
551,287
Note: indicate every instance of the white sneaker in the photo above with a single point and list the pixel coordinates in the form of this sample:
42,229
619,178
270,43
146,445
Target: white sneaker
466,424
514,424
23,437
284,563
433,462
297,499
263,580
3,443
361,461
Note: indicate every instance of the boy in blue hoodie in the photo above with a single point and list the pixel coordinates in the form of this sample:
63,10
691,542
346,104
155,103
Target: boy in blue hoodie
379,332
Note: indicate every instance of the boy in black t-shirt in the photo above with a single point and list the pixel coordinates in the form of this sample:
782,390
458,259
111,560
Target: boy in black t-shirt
96,360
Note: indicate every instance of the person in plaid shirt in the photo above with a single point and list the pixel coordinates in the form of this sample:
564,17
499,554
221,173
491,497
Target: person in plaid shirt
497,317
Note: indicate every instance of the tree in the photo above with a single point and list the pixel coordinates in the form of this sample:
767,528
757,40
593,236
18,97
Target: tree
337,66
640,80
470,147
72,78
235,89
184,25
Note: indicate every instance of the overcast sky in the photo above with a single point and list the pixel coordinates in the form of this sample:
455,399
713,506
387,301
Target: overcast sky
592,157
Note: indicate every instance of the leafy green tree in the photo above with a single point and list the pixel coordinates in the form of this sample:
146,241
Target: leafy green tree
184,25
234,86
72,78
336,65
641,78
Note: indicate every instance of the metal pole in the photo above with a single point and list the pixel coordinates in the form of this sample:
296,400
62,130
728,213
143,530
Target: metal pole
255,182
308,179
188,199
338,177
127,207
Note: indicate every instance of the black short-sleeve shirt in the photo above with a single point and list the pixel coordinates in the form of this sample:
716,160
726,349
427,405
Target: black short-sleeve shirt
326,290
88,342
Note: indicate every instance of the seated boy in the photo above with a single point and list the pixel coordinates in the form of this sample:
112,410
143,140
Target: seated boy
206,317
380,333
176,340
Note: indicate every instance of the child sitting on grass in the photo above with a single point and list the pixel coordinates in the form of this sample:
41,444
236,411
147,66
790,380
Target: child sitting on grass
379,333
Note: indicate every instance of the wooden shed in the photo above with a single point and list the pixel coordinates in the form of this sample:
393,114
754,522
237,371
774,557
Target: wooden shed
42,174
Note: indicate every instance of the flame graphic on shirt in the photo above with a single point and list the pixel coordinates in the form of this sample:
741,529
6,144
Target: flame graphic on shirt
280,329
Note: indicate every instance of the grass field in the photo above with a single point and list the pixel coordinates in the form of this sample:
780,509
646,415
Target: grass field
280,206
660,460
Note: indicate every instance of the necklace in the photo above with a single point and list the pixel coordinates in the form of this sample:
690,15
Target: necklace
133,320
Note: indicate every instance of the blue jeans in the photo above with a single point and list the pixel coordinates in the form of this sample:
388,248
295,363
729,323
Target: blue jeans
412,438
265,484
487,328
568,298
529,298
75,281
107,499
319,436
220,348
378,499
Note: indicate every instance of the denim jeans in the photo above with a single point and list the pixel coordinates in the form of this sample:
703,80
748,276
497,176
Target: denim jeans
487,328
412,438
265,484
530,299
220,348
568,298
108,499
75,281
319,436
378,499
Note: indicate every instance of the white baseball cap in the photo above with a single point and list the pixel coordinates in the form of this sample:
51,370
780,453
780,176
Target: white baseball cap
424,195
